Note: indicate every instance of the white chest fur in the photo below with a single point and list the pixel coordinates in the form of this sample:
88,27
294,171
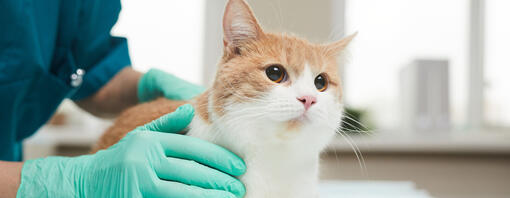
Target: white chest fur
278,169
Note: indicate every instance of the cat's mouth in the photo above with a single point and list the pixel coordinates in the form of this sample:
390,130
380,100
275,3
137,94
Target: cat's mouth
302,118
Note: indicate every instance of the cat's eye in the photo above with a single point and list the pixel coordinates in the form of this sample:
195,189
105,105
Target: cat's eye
276,73
321,82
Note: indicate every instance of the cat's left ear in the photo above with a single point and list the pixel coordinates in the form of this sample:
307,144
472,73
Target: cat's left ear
334,49
239,24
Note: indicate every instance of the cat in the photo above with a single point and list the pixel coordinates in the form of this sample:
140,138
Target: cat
276,102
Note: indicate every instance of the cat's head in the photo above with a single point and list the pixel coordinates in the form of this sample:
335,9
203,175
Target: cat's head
270,81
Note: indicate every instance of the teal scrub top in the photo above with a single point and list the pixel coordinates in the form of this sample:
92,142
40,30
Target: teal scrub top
51,50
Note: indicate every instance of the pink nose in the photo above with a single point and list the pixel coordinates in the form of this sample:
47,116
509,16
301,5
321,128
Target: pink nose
308,101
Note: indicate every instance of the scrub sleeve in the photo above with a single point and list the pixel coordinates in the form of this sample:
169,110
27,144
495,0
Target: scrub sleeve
50,51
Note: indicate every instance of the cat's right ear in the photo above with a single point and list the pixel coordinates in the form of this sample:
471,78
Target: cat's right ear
239,24
334,49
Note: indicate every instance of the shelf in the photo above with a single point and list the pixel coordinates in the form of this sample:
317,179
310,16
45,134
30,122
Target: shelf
66,135
445,142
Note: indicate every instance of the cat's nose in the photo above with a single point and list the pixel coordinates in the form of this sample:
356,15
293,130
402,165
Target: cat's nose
308,101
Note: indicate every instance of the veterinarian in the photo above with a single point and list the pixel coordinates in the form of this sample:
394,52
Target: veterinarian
56,50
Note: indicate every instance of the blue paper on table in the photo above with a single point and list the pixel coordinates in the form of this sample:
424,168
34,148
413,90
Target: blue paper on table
370,189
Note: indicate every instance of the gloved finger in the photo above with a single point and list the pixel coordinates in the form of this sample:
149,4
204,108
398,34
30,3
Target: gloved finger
192,173
155,83
180,89
201,151
173,189
173,122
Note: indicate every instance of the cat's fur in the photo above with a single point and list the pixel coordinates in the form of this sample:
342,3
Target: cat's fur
260,120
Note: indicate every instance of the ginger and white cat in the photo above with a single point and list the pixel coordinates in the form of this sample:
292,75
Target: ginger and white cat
276,102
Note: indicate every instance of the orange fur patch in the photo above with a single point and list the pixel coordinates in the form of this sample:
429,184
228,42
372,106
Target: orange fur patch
133,117
201,105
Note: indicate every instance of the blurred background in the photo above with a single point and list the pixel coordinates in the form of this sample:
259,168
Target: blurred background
427,86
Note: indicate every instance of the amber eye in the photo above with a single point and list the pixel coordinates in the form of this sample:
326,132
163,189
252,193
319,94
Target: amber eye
321,82
276,73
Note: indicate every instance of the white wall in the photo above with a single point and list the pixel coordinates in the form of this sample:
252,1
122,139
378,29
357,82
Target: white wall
164,34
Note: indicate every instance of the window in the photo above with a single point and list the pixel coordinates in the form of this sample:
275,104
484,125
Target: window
497,64
392,34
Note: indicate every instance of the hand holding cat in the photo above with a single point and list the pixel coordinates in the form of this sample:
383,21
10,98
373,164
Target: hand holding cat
150,161
156,83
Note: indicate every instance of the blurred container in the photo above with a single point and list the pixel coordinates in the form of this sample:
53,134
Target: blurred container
424,88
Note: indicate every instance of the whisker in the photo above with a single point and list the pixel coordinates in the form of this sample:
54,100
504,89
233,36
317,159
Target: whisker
357,152
356,129
348,116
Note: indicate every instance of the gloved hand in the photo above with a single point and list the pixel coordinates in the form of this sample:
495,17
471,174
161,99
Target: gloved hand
151,161
156,83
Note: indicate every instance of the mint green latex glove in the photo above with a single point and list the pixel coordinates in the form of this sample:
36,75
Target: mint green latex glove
156,83
151,161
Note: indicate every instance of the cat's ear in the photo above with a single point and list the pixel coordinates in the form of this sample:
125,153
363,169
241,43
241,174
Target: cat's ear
334,49
239,24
